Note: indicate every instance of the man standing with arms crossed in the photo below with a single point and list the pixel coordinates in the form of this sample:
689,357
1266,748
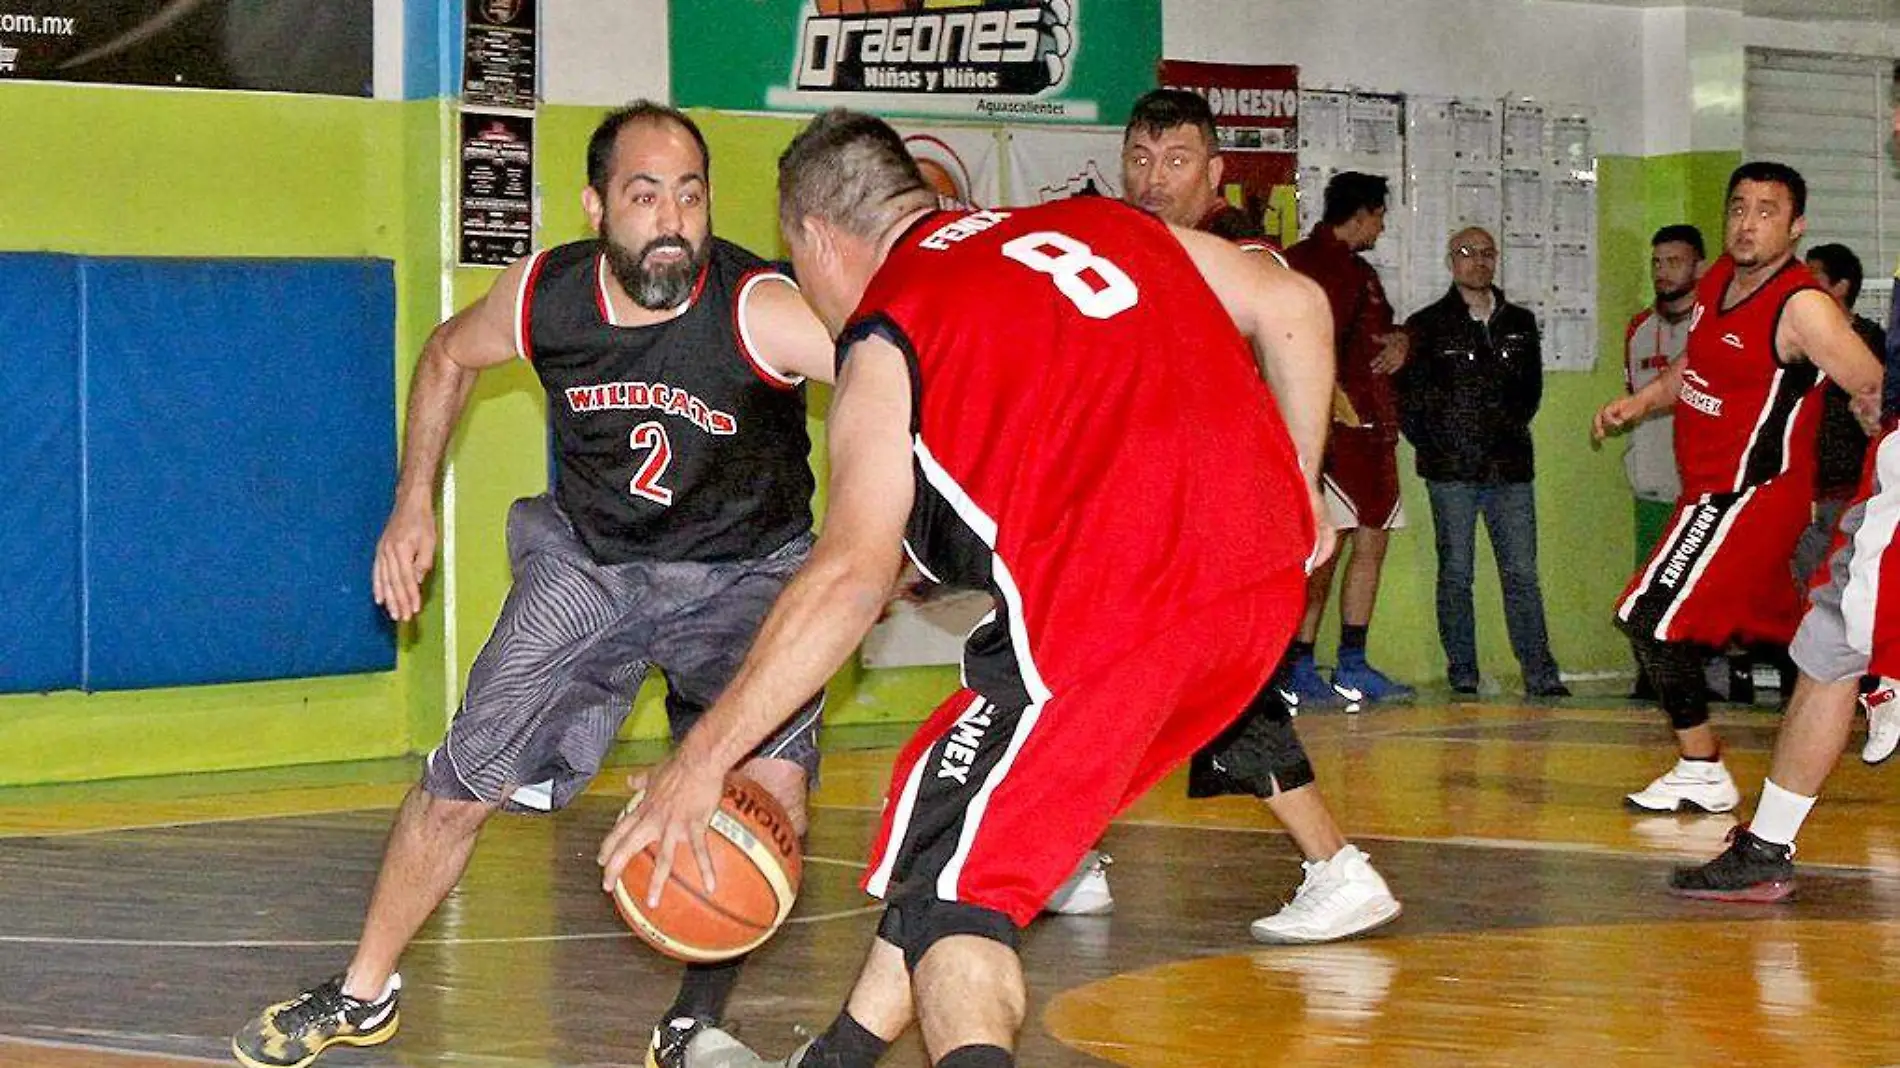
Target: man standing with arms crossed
1746,408
1171,166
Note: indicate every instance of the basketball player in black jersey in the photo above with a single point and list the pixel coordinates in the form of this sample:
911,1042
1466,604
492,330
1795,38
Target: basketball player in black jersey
672,363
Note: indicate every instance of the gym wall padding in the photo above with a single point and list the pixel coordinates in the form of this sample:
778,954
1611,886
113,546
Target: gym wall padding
40,645
235,458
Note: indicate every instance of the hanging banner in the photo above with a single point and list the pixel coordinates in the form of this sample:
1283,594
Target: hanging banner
495,217
1033,61
200,44
498,54
1257,113
1047,165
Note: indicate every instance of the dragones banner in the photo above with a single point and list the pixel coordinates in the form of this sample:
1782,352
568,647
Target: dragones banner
292,46
1044,61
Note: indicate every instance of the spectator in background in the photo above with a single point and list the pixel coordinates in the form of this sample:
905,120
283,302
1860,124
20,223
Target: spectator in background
1361,472
1467,395
1656,337
1842,444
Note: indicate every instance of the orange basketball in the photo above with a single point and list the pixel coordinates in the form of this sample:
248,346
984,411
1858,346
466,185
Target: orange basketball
757,865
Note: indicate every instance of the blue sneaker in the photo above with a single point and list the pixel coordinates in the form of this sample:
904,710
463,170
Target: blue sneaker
1302,687
1358,683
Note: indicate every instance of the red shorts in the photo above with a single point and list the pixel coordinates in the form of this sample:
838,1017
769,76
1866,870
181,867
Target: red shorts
1720,573
1360,478
994,806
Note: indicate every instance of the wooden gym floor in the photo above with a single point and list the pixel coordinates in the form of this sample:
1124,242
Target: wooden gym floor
141,923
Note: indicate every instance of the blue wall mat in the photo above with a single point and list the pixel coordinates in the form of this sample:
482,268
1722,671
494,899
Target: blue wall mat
39,473
241,423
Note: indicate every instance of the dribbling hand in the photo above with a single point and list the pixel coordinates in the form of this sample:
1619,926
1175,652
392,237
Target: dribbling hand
677,805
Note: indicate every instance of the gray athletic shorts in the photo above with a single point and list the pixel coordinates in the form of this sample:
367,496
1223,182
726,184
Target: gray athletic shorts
1836,638
557,678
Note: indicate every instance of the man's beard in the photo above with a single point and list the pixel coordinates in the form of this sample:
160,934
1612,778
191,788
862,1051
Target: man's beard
662,287
1670,296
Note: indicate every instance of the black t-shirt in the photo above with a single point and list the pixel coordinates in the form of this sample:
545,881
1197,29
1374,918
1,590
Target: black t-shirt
1842,445
672,441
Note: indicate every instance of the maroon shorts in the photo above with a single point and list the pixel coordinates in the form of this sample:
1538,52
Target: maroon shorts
993,806
1720,573
1360,479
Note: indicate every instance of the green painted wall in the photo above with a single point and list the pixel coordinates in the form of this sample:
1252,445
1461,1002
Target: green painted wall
210,174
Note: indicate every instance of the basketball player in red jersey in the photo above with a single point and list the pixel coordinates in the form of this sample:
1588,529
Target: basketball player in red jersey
1842,637
1001,412
1747,409
1171,166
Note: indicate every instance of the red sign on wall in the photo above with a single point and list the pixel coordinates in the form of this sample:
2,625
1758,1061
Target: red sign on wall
1257,112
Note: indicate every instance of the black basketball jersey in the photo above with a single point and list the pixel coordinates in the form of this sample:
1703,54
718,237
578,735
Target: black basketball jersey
673,441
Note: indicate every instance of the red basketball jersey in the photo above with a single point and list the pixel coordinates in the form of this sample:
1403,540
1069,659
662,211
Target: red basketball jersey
1743,416
1094,442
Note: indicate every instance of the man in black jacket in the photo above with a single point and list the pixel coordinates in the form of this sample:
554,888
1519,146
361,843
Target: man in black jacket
1466,399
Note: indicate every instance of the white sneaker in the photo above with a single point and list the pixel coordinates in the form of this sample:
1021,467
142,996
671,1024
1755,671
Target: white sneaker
1692,784
1340,897
1086,892
1883,720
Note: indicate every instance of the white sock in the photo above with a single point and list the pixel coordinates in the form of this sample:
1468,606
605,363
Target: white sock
1779,816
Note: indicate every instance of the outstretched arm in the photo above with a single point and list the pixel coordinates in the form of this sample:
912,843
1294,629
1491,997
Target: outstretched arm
480,335
815,625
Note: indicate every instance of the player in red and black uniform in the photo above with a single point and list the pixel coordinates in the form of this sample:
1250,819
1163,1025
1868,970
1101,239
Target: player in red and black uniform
1171,165
1844,635
672,363
1746,408
1000,412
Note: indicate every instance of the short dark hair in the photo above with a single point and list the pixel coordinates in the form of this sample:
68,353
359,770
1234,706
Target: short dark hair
1779,173
1682,233
1841,265
600,147
1349,191
852,170
1161,110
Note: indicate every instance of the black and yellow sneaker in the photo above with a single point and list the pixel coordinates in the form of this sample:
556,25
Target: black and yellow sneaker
1749,870
668,1048
291,1034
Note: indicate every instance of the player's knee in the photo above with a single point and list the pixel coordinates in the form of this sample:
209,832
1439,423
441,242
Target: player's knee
1675,672
917,924
438,816
788,783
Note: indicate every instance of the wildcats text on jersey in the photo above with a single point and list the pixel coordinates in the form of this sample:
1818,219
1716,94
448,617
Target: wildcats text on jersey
657,396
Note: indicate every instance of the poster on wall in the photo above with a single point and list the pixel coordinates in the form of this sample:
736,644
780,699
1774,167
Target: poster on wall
1016,61
962,163
495,213
197,44
1047,165
498,54
1257,114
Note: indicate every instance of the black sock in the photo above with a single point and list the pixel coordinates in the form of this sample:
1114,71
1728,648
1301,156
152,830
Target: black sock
845,1044
1353,635
704,990
1298,650
978,1057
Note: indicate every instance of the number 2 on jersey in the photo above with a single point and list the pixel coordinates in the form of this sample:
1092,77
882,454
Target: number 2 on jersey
1117,293
646,482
